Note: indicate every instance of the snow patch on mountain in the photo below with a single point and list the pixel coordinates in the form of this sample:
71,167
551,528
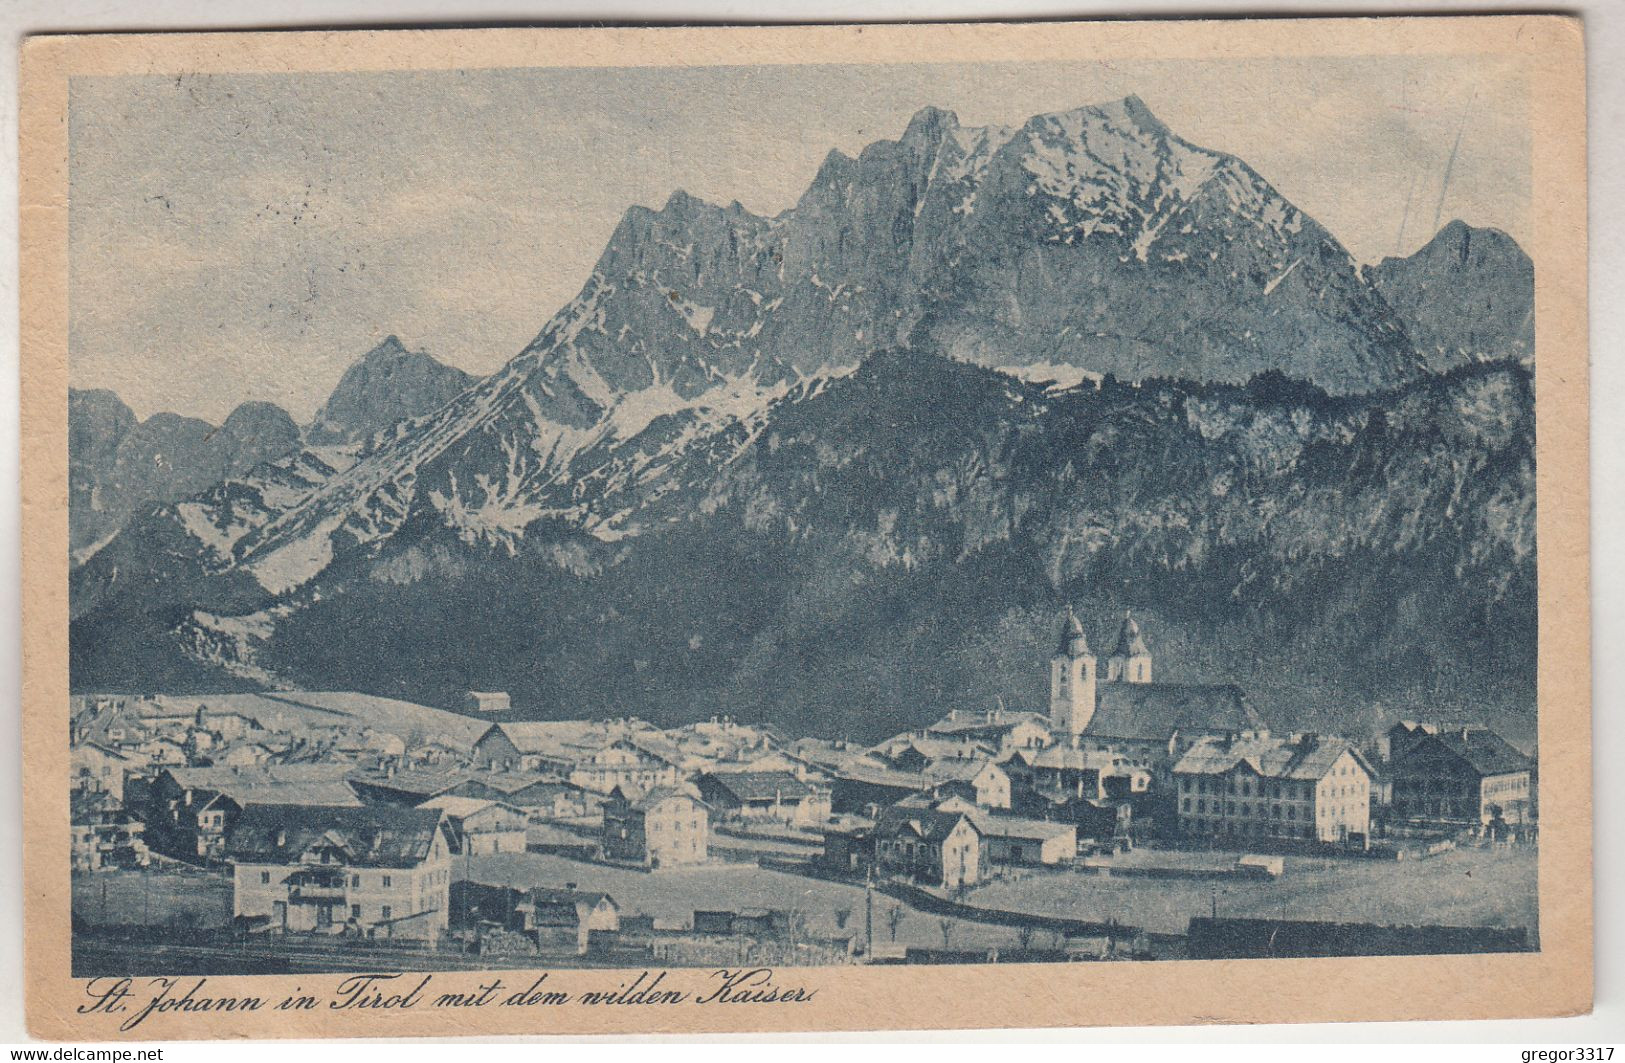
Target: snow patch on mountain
1059,377
297,563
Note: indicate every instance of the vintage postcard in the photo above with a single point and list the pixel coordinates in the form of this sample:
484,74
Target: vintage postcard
639,530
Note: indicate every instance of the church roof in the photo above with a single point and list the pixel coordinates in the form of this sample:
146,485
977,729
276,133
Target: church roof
1073,642
1155,711
1129,641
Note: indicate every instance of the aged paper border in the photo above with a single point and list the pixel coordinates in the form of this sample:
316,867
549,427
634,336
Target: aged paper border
1555,981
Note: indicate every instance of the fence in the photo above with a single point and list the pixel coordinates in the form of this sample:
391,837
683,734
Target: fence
926,901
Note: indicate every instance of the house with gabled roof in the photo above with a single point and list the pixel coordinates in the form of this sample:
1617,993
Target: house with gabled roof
372,870
569,916
662,827
978,779
105,834
766,797
1251,784
189,811
626,762
95,766
480,825
1464,774
1000,728
931,846
542,797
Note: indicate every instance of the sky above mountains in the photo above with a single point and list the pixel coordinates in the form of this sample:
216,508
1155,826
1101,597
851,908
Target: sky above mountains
251,236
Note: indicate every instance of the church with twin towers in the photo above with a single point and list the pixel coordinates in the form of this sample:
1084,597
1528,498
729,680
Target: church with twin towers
1124,711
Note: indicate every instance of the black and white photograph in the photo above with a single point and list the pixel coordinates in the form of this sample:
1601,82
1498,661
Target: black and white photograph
682,517
1037,514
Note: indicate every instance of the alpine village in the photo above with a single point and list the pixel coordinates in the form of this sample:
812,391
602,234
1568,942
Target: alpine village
1135,819
590,661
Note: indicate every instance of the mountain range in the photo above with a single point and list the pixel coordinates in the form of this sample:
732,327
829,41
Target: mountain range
117,462
843,464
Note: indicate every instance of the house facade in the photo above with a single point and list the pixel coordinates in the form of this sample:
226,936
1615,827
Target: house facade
1013,841
1463,775
370,870
94,766
624,765
1314,788
983,781
661,828
766,797
931,846
1000,728
481,826
106,836
569,917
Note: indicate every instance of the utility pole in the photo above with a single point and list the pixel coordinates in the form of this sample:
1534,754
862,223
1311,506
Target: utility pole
869,917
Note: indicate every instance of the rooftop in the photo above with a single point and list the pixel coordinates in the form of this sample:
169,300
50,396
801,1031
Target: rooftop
369,836
1156,711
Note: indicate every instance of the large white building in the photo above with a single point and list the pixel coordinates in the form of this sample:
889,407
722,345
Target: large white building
1254,785
375,870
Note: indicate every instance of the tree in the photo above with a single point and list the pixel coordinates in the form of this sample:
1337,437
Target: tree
894,919
843,912
795,925
946,925
1025,935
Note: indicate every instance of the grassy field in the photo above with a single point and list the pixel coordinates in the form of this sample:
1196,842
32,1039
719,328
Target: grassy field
1468,887
1462,888
152,898
675,893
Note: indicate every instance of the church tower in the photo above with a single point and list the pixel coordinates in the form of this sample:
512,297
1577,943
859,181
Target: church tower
1072,679
1130,661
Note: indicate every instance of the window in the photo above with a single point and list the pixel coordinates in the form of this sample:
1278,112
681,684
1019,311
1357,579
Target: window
355,882
1186,805
387,883
355,911
387,911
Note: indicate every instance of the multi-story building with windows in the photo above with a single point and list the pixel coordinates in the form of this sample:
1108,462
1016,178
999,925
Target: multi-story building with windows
1463,775
663,827
376,869
1253,785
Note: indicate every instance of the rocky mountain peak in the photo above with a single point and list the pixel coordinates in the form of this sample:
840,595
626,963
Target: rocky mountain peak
1466,295
929,126
1079,244
388,385
388,348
